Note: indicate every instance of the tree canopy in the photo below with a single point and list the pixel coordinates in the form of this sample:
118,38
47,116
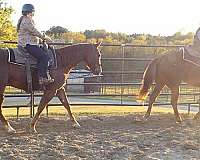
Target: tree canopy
8,32
56,31
7,29
93,36
62,34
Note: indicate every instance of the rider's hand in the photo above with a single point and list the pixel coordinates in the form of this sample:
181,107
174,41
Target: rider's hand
47,38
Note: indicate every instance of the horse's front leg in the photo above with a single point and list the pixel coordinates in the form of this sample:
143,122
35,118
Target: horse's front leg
64,100
5,123
48,95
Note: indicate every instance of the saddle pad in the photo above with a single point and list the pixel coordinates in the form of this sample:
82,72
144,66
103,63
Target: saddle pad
19,56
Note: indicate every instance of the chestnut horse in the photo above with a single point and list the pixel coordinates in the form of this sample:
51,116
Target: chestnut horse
170,70
67,58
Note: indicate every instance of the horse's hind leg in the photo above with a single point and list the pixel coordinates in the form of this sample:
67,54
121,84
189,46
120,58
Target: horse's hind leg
174,99
64,100
2,118
152,98
197,116
48,95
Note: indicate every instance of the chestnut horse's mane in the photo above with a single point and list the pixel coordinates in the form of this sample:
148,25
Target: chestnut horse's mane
69,54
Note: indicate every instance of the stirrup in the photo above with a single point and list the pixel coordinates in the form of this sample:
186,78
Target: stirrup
45,81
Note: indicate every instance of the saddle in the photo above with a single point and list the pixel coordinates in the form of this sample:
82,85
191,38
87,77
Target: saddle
20,56
191,55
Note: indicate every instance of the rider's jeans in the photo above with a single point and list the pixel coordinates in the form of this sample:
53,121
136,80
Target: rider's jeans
41,57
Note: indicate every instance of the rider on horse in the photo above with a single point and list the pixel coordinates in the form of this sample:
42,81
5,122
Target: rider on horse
28,37
196,41
194,49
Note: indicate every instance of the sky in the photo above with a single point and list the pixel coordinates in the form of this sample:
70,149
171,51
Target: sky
156,17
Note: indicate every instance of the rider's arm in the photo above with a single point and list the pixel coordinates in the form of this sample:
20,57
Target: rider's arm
29,25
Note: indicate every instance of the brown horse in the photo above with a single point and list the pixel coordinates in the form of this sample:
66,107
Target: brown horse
67,58
170,70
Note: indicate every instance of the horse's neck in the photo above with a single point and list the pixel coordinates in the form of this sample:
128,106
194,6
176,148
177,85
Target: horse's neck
69,57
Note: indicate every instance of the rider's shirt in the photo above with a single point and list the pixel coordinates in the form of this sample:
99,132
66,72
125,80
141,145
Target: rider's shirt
27,33
196,41
194,49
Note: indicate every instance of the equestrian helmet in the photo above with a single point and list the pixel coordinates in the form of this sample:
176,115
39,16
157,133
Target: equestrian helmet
28,8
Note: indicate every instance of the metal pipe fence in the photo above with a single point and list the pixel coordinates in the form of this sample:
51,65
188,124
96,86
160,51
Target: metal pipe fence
118,92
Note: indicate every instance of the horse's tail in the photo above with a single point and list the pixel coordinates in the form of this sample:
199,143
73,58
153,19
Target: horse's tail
148,78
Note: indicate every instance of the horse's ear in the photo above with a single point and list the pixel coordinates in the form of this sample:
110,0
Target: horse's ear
98,44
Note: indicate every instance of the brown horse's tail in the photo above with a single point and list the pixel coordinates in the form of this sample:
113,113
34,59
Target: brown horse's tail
148,78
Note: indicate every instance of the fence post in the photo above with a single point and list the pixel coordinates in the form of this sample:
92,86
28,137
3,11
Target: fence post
199,107
17,112
122,72
189,105
32,110
47,111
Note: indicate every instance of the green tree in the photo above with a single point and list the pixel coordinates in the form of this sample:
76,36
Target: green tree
57,31
97,34
74,37
7,30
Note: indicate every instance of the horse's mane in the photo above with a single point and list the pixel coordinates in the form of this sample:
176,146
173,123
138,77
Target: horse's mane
69,54
74,45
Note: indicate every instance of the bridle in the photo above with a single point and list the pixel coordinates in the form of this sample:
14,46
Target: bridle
96,65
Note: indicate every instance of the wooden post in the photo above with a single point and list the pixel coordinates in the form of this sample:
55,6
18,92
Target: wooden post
17,112
189,106
32,103
47,111
199,107
122,72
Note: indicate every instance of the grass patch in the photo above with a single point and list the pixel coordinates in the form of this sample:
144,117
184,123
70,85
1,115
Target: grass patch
89,110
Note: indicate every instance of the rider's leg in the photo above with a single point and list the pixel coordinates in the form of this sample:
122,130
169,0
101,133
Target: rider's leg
43,59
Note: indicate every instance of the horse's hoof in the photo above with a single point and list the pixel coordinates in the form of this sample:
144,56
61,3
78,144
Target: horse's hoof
145,118
195,117
76,125
32,130
11,130
179,120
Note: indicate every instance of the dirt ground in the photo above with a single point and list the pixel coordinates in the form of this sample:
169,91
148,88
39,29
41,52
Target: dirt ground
104,137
